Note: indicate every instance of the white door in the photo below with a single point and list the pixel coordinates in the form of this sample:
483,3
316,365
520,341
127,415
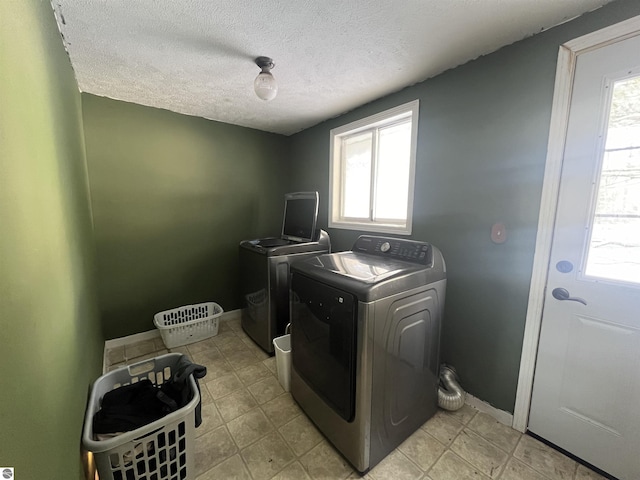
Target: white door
586,391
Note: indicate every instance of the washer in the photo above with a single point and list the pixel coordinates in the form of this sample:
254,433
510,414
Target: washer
264,273
365,334
264,268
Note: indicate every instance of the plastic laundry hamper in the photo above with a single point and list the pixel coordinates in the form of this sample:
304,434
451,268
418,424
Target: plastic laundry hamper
188,324
161,450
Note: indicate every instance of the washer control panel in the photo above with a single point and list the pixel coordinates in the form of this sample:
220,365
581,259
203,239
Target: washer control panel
399,249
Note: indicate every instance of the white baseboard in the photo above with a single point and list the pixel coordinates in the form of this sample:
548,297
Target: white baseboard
137,337
231,315
501,416
128,340
151,334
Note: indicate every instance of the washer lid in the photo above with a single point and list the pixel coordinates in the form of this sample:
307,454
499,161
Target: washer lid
377,267
364,268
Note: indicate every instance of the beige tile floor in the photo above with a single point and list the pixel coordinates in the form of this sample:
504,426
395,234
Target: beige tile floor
252,429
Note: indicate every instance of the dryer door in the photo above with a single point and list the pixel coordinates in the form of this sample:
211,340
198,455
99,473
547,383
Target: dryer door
323,341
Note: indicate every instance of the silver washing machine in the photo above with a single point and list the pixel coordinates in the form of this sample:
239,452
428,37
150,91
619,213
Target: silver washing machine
264,268
264,273
365,334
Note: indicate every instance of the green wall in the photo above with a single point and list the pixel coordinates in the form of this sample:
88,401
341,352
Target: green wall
483,133
51,345
172,197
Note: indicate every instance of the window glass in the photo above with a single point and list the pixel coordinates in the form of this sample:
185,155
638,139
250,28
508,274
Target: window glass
392,179
614,248
357,175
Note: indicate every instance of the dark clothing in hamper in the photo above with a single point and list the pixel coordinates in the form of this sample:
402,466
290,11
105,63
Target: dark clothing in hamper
180,387
133,406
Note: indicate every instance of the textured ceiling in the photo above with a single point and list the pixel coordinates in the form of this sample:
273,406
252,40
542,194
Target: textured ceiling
196,56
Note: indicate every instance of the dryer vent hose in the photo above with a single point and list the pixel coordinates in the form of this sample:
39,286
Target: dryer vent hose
451,396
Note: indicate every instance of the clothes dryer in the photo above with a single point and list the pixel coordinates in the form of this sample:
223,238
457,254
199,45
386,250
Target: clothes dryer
365,333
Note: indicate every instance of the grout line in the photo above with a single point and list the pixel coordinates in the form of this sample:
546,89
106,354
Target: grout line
446,447
501,416
244,462
508,452
397,449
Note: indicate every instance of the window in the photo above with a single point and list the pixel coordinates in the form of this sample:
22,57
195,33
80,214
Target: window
372,172
614,247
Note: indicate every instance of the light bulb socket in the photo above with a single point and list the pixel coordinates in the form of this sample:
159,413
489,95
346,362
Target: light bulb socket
265,63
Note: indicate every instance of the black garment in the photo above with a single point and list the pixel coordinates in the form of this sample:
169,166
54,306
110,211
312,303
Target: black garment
178,387
133,406
129,407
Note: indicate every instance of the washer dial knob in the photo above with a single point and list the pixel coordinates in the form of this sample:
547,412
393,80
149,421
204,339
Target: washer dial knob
385,247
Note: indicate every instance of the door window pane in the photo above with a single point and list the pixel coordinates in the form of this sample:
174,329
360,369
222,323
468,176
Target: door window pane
614,249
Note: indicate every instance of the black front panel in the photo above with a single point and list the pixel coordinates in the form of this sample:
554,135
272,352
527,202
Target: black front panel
323,341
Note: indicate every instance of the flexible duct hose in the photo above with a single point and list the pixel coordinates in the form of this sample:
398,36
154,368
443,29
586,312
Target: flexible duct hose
451,396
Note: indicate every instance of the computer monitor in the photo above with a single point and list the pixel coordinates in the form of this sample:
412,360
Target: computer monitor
300,216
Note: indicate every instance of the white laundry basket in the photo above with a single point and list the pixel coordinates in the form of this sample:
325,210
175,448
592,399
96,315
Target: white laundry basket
188,324
282,346
163,449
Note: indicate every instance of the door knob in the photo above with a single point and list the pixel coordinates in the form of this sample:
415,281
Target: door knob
563,294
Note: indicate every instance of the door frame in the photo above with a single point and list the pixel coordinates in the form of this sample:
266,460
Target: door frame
565,71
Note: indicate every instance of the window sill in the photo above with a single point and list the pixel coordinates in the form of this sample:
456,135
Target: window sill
372,227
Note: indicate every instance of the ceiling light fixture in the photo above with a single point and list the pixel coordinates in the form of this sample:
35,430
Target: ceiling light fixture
265,85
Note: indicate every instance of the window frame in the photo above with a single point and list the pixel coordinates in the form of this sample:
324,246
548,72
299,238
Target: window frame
409,110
